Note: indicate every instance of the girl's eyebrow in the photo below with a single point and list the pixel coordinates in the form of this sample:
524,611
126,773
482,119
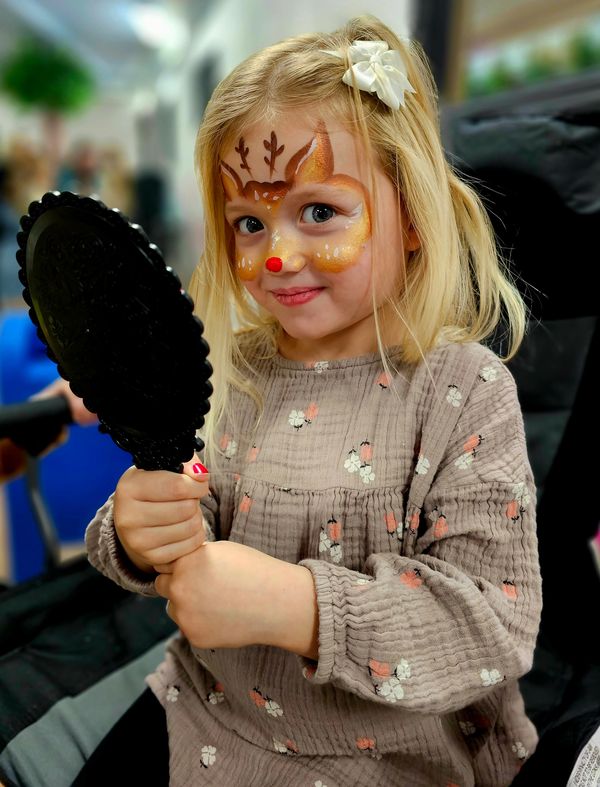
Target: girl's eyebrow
303,192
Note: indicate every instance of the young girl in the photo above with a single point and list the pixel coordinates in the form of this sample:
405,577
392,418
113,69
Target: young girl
359,593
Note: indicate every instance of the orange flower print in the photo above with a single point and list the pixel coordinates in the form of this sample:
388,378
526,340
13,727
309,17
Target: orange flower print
365,452
464,460
383,380
453,396
452,784
413,522
245,503
509,589
286,747
379,669
329,539
440,523
253,453
311,412
391,524
369,746
216,694
411,578
261,701
441,527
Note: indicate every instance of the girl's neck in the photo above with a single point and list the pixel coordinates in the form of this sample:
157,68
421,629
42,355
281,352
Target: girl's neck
362,340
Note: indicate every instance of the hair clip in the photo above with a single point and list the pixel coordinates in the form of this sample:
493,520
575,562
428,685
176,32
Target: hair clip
376,69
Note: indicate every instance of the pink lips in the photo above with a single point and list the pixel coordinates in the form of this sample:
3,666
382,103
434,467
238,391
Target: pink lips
294,296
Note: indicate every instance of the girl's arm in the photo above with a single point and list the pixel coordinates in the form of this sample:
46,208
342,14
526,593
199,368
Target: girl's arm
436,630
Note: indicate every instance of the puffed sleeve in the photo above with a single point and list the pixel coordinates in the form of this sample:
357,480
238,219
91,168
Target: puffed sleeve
457,615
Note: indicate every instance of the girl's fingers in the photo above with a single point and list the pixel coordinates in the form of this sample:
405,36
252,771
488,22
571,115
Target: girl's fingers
160,486
195,469
152,538
157,514
169,553
164,568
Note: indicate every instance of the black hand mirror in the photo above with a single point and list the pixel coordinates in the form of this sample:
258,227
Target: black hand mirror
118,324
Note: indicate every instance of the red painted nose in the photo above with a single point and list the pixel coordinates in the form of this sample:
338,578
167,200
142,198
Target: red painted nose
274,264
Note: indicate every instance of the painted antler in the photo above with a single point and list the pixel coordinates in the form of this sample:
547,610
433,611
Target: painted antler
243,151
273,150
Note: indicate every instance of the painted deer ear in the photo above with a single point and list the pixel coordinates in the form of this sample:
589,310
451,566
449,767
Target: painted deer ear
314,162
232,184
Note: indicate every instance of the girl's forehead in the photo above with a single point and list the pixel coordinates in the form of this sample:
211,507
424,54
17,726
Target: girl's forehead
262,150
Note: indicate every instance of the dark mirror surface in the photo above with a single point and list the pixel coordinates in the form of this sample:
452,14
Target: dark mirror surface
118,324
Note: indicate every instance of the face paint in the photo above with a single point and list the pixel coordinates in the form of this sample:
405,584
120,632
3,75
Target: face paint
311,164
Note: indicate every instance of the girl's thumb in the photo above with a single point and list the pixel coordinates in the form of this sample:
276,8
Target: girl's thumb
195,469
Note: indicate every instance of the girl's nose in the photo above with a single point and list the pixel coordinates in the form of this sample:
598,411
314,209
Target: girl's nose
289,263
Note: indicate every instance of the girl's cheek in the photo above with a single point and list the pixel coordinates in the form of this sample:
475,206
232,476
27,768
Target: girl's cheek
246,266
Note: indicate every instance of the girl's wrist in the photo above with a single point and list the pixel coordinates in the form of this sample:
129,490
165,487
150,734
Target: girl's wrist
295,612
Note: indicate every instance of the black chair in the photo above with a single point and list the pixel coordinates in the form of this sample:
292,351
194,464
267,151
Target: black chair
535,174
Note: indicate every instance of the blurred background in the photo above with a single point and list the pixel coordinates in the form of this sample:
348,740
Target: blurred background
105,98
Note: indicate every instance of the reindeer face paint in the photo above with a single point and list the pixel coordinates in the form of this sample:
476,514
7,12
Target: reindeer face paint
300,213
311,165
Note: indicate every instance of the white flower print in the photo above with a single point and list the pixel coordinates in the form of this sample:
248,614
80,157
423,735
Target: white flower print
336,553
319,783
366,474
391,689
172,694
490,677
453,396
423,465
362,581
388,680
296,419
352,464
324,542
208,755
273,708
520,750
402,670
488,373
215,697
464,460
467,727
521,493
320,366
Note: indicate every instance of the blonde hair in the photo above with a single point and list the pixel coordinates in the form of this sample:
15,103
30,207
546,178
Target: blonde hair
455,286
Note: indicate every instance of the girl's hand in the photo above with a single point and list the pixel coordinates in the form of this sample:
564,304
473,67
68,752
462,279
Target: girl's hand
227,595
157,514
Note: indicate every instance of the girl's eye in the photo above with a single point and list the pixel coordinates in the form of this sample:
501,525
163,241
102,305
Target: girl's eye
317,214
248,225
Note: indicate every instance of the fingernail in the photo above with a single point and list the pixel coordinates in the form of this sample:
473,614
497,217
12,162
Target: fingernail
199,468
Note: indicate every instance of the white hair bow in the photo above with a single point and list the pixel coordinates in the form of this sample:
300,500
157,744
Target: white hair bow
377,69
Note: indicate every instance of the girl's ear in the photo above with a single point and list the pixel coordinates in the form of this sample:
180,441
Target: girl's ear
412,241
